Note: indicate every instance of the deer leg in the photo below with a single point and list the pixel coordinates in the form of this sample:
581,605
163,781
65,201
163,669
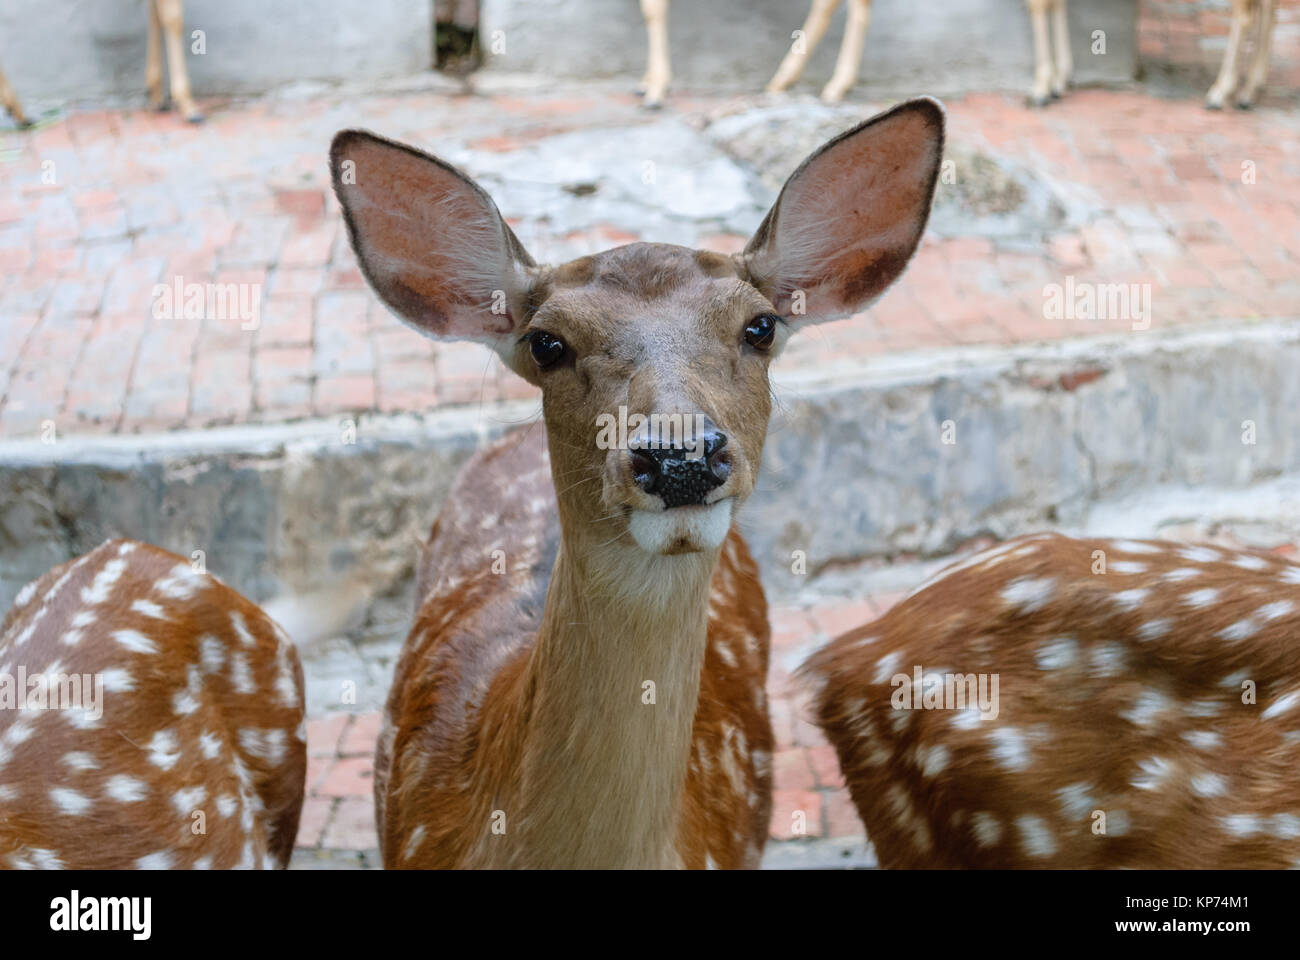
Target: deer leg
9,100
1263,49
658,71
849,62
1227,81
1064,59
1041,91
814,28
153,59
171,17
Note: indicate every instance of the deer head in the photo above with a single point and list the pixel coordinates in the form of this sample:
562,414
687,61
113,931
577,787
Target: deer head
652,359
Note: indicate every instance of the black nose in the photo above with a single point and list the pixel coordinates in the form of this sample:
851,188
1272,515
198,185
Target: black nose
683,475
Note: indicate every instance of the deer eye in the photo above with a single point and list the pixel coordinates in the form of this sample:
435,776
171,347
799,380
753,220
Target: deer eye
760,331
547,349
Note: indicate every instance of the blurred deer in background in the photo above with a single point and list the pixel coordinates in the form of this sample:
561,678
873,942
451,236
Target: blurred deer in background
584,682
9,100
186,746
1053,62
1248,17
1050,78
167,24
1054,702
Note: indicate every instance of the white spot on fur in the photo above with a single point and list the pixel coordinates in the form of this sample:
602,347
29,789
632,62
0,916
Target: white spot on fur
1127,567
69,801
80,761
1209,785
987,829
1058,654
135,641
1130,599
125,789
187,800
1009,748
1201,598
155,861
1035,836
1154,629
148,608
1029,593
1281,705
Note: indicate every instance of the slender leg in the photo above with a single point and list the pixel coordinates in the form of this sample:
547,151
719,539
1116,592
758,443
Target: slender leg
1064,59
658,72
1227,81
153,59
171,16
9,100
1042,89
1263,49
850,59
814,28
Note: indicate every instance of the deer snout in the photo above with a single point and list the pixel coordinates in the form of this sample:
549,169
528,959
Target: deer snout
681,469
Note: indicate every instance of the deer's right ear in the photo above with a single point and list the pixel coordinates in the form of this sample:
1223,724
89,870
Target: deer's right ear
850,218
429,240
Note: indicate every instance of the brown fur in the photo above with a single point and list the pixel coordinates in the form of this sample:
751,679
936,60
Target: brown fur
44,751
1094,716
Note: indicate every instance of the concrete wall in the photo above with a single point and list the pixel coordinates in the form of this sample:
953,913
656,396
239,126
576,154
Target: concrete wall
53,49
933,46
855,466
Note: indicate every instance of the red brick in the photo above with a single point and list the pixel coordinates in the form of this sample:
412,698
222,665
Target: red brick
348,777
786,804
315,818
324,734
362,734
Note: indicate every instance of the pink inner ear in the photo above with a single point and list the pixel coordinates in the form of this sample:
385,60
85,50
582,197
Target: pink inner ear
431,244
848,222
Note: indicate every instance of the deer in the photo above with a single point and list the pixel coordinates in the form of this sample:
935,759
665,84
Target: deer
1248,17
583,684
178,739
1055,702
1050,40
167,25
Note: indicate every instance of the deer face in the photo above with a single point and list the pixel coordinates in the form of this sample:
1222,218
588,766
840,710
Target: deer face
652,359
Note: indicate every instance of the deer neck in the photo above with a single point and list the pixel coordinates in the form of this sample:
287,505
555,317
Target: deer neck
615,678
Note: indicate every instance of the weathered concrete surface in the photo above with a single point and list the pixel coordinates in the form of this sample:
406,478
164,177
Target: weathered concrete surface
856,464
86,49
736,44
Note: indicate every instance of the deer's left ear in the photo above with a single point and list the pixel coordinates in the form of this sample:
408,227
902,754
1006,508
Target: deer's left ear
850,218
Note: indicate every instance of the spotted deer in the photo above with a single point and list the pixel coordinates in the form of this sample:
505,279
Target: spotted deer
1053,63
1055,702
150,717
583,684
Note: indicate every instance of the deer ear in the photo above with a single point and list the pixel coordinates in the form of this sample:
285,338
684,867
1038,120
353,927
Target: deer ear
429,240
850,218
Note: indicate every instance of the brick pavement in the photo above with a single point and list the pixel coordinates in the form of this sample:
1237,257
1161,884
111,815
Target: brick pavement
338,817
99,207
